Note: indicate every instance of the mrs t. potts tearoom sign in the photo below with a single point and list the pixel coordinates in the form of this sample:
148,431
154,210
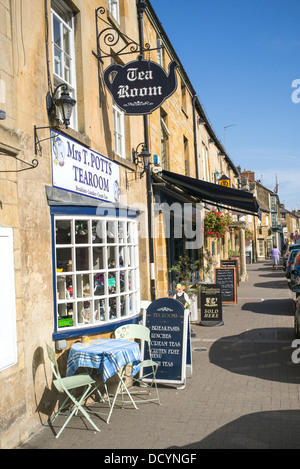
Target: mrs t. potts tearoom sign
141,86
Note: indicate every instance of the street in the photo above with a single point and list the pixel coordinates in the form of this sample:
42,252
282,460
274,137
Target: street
243,393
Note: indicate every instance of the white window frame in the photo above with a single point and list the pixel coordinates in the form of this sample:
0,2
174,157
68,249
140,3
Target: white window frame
66,56
104,291
8,334
119,131
160,55
114,9
261,247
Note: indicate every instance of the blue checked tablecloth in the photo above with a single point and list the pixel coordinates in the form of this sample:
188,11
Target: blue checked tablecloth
107,356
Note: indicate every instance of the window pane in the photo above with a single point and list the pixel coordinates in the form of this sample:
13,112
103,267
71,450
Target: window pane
83,285
66,38
82,259
111,257
98,232
112,283
122,232
64,287
67,69
81,231
98,258
122,306
122,281
64,259
100,309
84,312
56,32
99,284
112,308
57,61
65,315
63,231
111,232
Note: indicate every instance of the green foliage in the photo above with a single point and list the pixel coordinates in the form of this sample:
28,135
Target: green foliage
184,268
216,223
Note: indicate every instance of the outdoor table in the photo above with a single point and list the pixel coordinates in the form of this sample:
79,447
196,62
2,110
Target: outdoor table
108,357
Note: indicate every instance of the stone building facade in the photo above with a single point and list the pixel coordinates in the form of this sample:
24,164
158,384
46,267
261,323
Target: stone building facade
74,202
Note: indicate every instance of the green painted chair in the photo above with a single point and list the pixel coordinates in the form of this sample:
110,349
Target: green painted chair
69,386
147,378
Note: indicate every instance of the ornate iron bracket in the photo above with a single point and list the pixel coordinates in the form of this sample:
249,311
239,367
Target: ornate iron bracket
108,36
34,163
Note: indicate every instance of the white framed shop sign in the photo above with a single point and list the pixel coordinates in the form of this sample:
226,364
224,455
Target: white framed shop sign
81,170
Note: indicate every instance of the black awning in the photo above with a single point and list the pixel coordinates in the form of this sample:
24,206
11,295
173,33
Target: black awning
209,192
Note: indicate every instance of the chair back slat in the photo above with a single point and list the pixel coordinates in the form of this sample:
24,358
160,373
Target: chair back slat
54,364
133,331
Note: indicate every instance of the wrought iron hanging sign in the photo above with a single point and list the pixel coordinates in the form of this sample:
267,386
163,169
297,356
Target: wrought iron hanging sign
141,86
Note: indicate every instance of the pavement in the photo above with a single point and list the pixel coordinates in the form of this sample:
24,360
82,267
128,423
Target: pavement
244,390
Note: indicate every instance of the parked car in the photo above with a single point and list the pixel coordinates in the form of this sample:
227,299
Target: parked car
290,262
295,269
296,289
287,252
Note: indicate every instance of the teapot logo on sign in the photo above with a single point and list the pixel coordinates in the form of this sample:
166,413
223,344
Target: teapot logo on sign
141,86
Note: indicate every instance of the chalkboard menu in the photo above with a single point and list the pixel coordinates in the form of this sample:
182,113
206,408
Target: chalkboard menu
248,257
225,276
232,263
211,305
237,258
167,321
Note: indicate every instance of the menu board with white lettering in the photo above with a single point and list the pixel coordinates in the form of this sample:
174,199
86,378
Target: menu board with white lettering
167,321
226,277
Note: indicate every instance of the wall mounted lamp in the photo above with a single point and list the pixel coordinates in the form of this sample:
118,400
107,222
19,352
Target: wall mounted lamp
141,157
65,105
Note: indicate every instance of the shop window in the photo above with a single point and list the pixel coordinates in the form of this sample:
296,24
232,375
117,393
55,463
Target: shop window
63,49
97,271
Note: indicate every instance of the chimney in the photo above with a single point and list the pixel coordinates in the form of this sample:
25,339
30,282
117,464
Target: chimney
248,175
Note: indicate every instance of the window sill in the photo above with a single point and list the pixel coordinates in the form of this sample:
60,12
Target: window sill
109,326
75,135
123,161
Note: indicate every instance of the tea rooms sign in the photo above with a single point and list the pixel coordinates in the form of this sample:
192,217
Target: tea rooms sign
141,86
81,170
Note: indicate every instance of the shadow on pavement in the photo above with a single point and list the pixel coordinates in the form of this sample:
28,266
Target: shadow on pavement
261,430
277,284
261,353
283,307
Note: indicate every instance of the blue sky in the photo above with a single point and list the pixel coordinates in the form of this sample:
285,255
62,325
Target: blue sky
242,57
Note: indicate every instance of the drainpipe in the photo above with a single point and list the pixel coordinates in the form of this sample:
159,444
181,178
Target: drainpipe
195,137
141,6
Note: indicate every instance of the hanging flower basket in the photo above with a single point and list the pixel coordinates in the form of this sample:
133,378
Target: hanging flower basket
216,223
248,236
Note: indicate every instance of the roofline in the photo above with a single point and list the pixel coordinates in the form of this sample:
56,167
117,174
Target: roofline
157,23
